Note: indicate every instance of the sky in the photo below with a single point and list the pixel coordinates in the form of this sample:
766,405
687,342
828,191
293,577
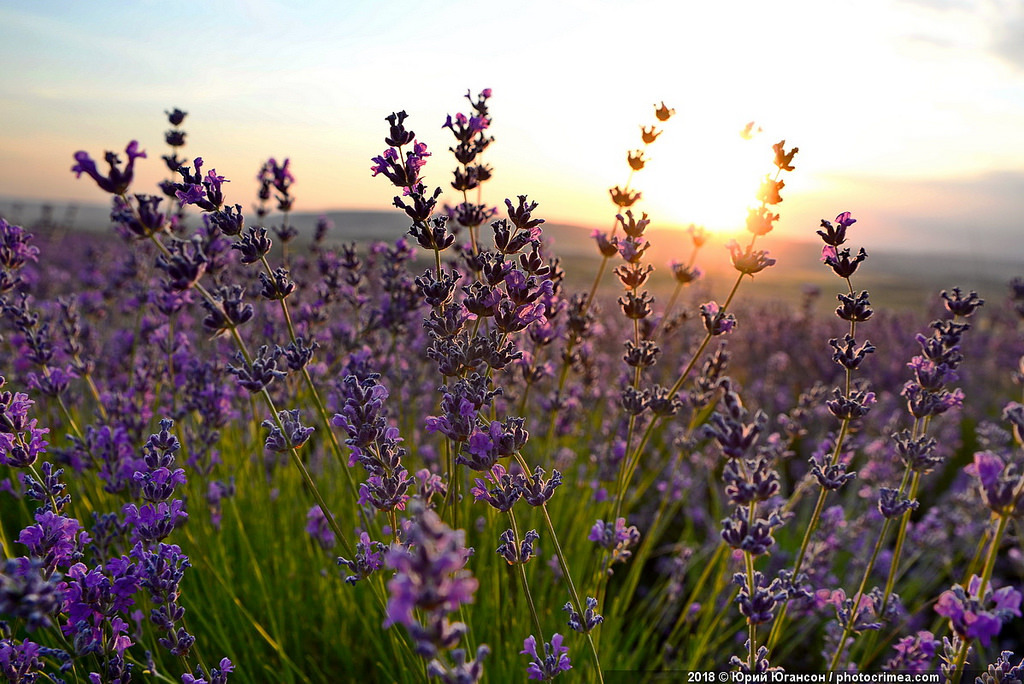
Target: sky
908,113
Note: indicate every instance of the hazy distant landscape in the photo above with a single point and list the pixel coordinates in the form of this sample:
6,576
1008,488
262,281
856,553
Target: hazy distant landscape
899,279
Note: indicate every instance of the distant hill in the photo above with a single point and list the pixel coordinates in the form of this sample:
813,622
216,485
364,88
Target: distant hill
899,279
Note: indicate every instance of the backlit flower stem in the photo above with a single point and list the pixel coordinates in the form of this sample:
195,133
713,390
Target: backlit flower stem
268,400
848,626
674,298
631,462
564,565
986,577
521,571
317,400
819,506
563,374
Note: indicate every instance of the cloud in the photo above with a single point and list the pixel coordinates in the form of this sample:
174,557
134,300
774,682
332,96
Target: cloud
1008,42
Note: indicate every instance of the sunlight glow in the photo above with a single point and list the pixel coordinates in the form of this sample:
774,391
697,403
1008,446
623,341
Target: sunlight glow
708,176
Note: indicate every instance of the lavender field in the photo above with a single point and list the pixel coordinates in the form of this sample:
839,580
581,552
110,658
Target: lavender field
237,451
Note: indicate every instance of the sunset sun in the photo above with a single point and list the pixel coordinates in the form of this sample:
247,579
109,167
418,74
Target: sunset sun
708,176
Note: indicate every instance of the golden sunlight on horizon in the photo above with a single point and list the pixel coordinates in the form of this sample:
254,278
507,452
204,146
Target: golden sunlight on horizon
707,175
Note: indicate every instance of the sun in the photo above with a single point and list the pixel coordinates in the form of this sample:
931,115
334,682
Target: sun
710,178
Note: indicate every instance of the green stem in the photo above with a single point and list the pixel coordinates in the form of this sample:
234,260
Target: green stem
521,570
986,577
579,605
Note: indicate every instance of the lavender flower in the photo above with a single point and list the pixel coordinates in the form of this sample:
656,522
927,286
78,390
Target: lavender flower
295,434
536,490
757,538
758,605
318,529
21,442
976,615
28,592
616,538
555,658
15,251
257,374
586,622
1003,671
217,675
368,559
430,576
514,555
184,265
55,539
505,489
749,260
715,321
161,571
1000,482
117,180
461,671
914,653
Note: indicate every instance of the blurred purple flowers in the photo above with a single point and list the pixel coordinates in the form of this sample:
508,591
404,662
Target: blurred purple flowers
976,615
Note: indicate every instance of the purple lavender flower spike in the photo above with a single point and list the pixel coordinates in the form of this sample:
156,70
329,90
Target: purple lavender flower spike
517,555
55,539
117,180
716,322
500,489
155,522
430,577
914,653
28,593
586,622
749,260
368,559
554,661
616,538
973,615
1000,482
294,436
318,529
217,675
461,671
15,251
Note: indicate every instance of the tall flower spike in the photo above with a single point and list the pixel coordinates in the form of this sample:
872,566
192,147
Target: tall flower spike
118,179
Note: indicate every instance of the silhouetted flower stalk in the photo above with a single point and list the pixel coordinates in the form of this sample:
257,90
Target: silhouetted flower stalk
175,139
847,405
579,605
717,320
623,198
471,141
927,397
278,177
684,274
